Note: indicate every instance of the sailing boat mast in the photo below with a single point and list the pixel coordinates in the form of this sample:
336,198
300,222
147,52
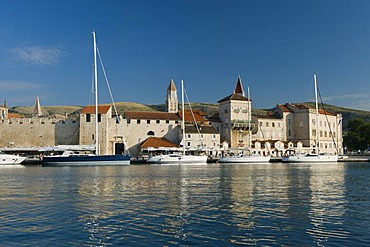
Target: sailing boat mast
183,116
249,120
97,151
317,116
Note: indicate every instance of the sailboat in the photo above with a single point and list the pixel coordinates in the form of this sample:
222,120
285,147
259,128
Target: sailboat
312,157
179,158
69,158
248,158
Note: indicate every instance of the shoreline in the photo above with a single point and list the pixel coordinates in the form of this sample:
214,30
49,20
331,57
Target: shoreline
141,161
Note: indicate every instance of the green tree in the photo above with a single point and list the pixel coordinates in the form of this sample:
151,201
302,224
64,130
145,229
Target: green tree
358,134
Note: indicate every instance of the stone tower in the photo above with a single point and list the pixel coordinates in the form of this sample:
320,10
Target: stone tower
171,99
235,115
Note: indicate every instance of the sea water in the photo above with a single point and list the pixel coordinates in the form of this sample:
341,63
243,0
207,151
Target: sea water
208,205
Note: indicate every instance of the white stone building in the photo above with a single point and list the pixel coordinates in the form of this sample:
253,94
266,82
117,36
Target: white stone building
288,127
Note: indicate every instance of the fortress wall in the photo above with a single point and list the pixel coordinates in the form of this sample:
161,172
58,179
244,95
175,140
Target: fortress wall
38,132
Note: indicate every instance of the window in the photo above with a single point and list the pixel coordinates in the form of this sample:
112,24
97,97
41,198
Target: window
289,133
99,117
189,135
273,124
313,133
176,122
267,124
158,121
150,133
88,118
167,121
138,121
148,121
188,144
289,121
261,124
128,121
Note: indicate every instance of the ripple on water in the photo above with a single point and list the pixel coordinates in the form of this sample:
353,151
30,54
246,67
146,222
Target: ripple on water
275,204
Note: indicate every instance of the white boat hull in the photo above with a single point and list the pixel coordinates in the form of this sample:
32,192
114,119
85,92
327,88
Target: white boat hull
177,159
245,159
8,159
310,158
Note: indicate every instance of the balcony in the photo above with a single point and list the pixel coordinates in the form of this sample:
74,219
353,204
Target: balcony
242,125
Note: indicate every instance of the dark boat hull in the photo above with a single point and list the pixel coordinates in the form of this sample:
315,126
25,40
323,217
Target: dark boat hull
86,160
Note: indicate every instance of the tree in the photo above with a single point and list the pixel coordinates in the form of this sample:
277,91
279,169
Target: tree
358,135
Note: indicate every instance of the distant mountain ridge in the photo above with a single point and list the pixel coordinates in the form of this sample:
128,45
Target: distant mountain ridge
208,108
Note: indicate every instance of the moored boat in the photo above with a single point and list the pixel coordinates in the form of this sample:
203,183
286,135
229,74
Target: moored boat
9,159
70,158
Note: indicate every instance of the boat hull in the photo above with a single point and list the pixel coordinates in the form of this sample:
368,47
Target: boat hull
86,160
177,159
8,159
310,159
245,159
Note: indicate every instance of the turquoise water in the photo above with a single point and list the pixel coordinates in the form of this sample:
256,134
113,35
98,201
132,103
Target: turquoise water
214,205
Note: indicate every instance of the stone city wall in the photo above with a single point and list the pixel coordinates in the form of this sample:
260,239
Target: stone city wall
38,132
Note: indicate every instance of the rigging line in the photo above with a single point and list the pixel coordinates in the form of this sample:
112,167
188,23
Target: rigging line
263,135
92,87
192,114
114,105
327,120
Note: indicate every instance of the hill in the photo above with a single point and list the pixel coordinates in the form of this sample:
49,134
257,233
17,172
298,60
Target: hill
208,108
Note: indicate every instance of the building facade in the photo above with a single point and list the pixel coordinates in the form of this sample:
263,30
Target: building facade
234,128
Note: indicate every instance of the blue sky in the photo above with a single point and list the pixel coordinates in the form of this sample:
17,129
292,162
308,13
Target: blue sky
275,46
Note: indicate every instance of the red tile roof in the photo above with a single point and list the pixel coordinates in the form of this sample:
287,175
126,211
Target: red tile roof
233,96
151,115
90,109
165,115
289,107
14,115
189,117
157,142
284,108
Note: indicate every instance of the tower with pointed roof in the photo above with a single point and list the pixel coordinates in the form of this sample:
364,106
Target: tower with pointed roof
235,115
37,108
171,99
239,87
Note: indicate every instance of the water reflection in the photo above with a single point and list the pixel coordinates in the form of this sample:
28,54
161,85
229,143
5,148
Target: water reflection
273,204
327,203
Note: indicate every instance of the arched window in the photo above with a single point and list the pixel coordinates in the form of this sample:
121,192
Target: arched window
150,133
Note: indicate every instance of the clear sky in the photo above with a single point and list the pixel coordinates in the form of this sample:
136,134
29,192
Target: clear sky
275,46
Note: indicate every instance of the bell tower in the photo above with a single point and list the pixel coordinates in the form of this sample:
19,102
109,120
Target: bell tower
171,99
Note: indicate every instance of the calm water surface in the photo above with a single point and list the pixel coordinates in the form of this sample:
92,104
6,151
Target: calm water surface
214,205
